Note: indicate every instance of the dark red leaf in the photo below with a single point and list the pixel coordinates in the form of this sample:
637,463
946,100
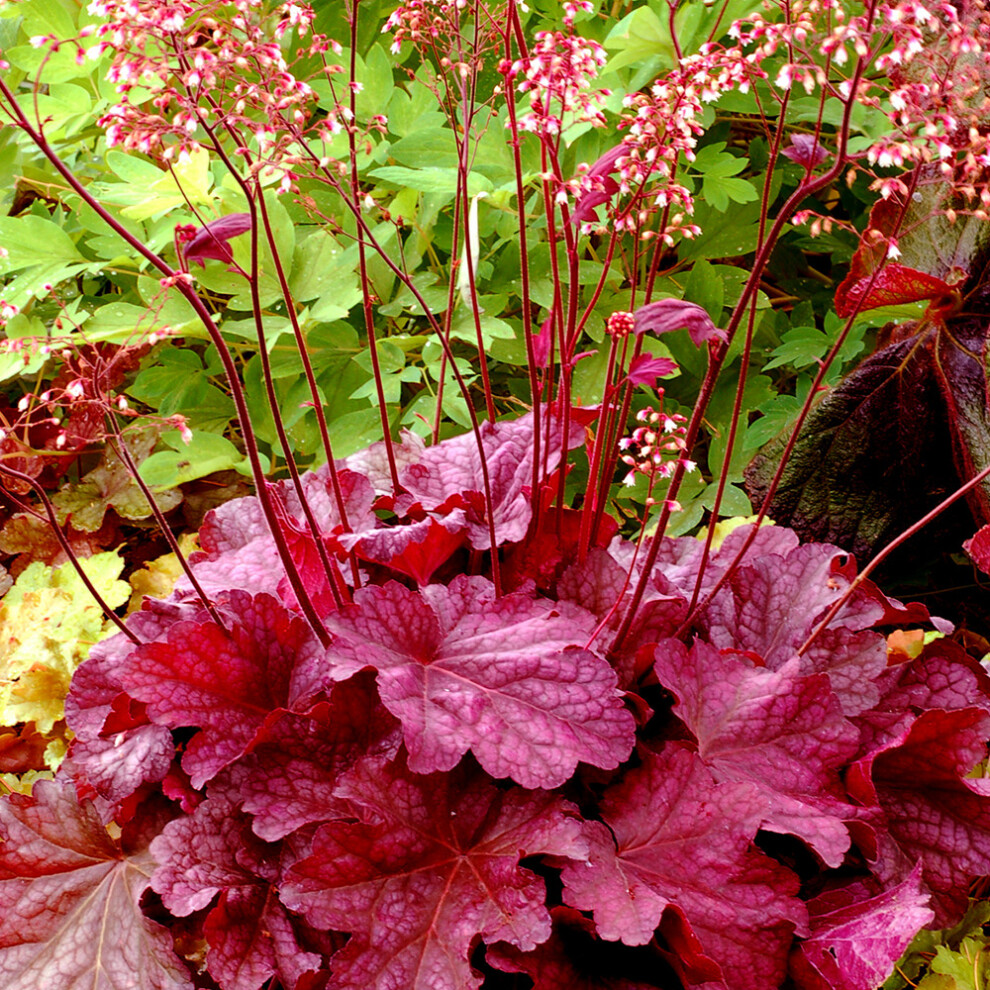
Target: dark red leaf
289,780
250,936
937,241
679,840
891,285
933,813
846,481
227,684
776,729
434,865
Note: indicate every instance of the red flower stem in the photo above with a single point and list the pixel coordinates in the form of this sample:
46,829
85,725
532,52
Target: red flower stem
612,439
723,476
717,355
594,489
463,167
307,364
369,319
330,572
330,568
253,196
527,314
786,454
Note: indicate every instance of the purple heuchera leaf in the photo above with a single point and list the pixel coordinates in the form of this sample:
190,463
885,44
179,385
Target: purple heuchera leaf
116,747
805,150
666,315
433,864
676,839
597,583
210,241
857,935
96,682
602,186
289,780
464,670
933,813
453,467
771,605
61,878
645,369
251,937
780,731
226,683
129,752
237,547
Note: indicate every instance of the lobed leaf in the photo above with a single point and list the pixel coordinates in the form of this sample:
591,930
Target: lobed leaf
679,842
463,670
433,863
776,729
69,901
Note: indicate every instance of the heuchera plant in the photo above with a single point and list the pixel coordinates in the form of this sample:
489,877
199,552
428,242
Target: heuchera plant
425,717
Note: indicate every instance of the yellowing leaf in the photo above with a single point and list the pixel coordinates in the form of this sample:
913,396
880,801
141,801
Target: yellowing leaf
48,621
157,578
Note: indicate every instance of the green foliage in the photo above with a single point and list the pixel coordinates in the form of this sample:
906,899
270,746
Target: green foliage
954,959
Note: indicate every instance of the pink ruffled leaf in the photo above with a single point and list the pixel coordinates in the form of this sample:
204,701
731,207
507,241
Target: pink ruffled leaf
772,604
211,854
69,900
777,730
678,841
933,813
227,684
434,864
857,935
290,780
502,677
453,467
